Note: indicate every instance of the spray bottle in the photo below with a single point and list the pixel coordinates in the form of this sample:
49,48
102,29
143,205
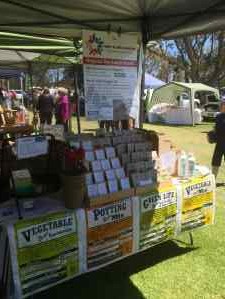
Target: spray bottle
182,164
191,161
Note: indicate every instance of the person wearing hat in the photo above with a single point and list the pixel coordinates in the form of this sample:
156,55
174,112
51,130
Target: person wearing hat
219,151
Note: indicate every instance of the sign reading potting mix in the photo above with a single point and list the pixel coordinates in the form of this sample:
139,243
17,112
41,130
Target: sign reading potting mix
109,232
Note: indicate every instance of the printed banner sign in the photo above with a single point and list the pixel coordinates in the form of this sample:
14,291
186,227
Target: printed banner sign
158,216
46,251
198,203
109,232
110,75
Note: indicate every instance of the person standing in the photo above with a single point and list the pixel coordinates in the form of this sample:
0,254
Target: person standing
62,111
45,107
219,151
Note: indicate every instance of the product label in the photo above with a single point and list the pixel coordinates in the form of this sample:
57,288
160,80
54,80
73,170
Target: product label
110,232
198,205
46,250
158,216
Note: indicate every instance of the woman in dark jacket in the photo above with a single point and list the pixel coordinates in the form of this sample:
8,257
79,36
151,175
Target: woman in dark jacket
45,107
219,151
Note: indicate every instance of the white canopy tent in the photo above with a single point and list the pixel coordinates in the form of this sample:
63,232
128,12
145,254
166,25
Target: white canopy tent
169,93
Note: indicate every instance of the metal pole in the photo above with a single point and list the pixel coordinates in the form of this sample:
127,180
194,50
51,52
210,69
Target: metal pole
76,97
35,116
76,91
146,36
141,118
21,87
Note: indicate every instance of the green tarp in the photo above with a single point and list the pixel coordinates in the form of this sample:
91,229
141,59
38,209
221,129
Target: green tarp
164,18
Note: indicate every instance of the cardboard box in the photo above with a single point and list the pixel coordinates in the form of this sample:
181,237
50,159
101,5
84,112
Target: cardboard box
102,200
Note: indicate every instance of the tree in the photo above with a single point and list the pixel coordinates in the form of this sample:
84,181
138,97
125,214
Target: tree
199,58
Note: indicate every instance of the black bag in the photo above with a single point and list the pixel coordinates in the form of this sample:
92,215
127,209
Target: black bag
211,137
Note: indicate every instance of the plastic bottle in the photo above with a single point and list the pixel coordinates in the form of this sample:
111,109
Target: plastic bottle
182,164
191,165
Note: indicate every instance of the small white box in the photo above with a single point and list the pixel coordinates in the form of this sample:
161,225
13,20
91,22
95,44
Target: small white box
100,154
89,179
102,189
113,186
96,166
105,164
110,152
110,174
115,163
87,145
120,173
125,183
89,156
99,177
92,190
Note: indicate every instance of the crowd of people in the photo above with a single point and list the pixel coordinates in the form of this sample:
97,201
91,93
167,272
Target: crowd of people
49,104
9,99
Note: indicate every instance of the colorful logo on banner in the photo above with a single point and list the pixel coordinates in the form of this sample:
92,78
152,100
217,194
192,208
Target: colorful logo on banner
95,45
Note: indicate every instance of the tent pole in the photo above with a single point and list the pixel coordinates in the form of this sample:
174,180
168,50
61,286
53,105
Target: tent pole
141,116
76,91
146,37
192,108
21,87
77,100
35,117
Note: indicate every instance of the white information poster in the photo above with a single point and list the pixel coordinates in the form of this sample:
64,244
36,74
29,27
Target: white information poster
30,147
110,75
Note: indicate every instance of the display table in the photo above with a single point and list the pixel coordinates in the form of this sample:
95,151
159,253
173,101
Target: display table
52,244
15,130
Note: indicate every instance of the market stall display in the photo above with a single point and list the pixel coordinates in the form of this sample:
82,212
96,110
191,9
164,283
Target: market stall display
120,215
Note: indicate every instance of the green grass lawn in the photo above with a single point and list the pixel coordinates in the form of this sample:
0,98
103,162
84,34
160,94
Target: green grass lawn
167,271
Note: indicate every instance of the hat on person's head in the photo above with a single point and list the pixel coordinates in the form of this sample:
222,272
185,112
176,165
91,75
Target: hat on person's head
62,90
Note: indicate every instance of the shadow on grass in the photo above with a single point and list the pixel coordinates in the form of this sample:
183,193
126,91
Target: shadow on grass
113,282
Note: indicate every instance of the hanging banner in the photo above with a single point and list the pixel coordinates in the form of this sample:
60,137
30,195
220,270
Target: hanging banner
198,203
109,233
110,75
44,252
158,216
